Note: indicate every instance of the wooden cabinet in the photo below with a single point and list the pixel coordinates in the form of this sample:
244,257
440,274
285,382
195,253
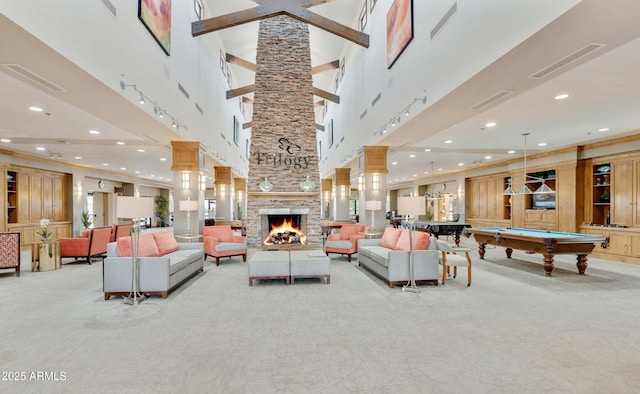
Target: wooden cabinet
540,219
624,243
485,201
39,195
622,193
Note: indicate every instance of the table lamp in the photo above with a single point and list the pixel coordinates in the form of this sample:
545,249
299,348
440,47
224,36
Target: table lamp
136,209
411,206
372,205
188,206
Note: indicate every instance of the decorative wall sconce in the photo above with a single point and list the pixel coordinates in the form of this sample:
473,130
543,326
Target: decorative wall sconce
361,183
343,191
79,189
223,190
375,182
186,181
240,196
203,182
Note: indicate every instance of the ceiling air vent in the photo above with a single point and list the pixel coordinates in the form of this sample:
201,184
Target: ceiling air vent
183,90
445,19
110,6
577,55
376,99
199,108
491,100
33,77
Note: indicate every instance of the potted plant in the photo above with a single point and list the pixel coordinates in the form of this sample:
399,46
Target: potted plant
161,210
86,219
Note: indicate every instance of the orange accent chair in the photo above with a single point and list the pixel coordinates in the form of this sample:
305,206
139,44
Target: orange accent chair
10,251
219,241
346,241
119,230
90,243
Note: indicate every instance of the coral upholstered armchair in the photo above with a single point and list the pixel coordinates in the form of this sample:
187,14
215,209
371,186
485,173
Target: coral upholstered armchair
219,241
346,241
10,251
91,243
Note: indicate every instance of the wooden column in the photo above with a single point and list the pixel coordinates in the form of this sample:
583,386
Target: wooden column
186,163
375,185
343,189
223,182
240,195
327,191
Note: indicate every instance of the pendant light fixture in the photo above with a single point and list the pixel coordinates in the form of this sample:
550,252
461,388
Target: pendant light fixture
543,189
433,196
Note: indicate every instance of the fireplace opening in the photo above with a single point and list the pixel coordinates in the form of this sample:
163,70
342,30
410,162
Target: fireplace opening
285,230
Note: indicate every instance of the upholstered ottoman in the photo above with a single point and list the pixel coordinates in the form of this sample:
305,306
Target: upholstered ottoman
309,264
269,265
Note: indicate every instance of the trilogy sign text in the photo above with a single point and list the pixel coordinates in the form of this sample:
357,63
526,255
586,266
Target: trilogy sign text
288,159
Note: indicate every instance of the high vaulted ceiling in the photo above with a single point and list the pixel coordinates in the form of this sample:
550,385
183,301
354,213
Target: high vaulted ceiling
602,86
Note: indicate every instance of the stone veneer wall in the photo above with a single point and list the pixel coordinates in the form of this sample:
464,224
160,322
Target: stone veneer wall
283,143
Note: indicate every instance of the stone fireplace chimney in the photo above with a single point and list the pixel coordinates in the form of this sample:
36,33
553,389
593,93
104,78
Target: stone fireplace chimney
283,145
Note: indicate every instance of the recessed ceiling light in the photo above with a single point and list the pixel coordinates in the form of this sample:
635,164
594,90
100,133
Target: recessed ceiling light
5,140
123,168
412,156
35,109
78,157
439,169
395,163
163,159
511,152
415,175
120,143
561,96
490,124
141,150
603,129
427,150
542,144
448,141
40,148
137,172
488,157
460,164
105,164
426,172
94,132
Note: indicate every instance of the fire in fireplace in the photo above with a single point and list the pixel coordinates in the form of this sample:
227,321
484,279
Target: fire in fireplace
285,230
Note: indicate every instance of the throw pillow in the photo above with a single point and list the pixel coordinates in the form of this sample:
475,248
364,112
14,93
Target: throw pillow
420,241
166,242
390,237
146,246
348,230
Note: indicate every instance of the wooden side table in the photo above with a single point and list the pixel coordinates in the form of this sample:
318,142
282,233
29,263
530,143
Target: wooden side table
46,256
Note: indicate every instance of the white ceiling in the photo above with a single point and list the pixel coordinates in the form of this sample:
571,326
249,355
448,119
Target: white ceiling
603,88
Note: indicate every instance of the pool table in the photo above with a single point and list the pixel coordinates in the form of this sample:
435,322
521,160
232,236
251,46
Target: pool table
549,243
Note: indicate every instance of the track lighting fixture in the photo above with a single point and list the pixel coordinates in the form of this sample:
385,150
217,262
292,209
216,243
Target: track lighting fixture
175,123
395,120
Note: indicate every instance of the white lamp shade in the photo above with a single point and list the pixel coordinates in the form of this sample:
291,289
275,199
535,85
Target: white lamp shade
412,206
188,205
373,205
134,207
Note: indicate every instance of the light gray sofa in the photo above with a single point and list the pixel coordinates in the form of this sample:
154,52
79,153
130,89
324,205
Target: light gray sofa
158,275
393,265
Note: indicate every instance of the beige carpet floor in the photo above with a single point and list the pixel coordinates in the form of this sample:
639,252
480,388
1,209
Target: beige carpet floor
513,331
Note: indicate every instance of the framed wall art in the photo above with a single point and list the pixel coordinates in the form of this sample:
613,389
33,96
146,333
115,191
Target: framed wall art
399,29
155,15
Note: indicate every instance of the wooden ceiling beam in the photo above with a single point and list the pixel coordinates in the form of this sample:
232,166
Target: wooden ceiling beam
222,22
247,100
319,127
269,8
329,25
233,93
319,104
325,67
240,62
326,95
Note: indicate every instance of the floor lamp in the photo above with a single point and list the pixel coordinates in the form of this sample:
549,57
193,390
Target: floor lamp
372,205
411,206
188,206
135,208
